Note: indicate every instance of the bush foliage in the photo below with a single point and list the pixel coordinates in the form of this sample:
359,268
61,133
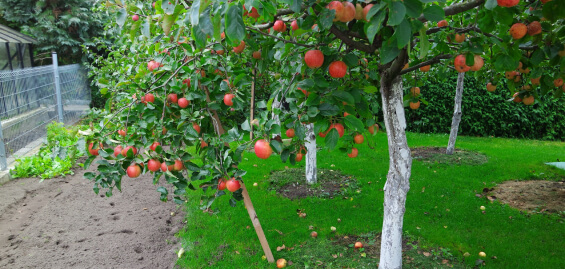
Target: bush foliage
486,113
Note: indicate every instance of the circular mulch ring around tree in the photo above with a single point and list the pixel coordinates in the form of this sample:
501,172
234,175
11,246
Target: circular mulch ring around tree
291,183
437,155
530,195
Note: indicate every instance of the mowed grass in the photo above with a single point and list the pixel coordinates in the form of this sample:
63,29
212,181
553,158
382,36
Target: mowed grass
442,212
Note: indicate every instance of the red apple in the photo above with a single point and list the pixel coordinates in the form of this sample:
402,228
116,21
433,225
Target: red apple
173,98
263,149
123,132
153,165
314,58
228,99
460,64
348,13
374,129
338,7
358,139
221,184
150,98
358,245
196,127
233,185
254,14
240,48
338,127
256,55
118,150
94,151
353,153
154,146
290,133
126,149
183,102
299,156
178,166
442,23
294,25
133,171
165,167
337,69
314,234
279,26
135,17
186,82
366,11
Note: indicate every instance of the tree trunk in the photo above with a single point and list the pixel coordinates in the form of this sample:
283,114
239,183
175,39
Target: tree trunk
400,165
276,105
457,111
310,143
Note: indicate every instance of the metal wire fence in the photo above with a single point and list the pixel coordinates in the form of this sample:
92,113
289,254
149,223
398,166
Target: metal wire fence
30,99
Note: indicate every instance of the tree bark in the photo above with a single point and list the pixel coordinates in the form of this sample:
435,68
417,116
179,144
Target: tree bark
276,105
310,143
400,165
457,111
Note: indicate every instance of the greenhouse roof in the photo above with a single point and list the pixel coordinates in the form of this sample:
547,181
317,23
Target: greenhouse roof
9,35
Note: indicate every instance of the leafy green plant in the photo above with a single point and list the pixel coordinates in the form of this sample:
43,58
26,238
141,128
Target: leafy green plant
487,114
56,158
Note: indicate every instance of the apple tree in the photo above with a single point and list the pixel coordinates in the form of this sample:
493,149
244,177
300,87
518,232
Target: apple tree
183,75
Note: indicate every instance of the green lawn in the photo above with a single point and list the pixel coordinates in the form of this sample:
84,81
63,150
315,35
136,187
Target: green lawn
442,212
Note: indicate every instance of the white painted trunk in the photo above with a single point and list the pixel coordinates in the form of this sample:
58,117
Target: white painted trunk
310,143
457,111
397,183
276,119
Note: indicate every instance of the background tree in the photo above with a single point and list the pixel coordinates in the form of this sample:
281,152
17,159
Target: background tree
61,26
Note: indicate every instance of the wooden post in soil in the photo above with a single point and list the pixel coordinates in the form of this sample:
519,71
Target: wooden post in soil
252,110
246,199
257,224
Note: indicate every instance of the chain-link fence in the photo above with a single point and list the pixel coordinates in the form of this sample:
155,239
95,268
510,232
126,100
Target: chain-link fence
34,97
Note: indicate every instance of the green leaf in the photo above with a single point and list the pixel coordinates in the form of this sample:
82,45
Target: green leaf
424,44
146,28
296,5
235,28
397,11
344,97
217,24
505,62
370,89
122,16
199,36
374,10
276,145
325,19
375,25
434,13
284,155
195,12
537,57
403,33
414,8
354,123
389,51
491,4
331,138
328,109
351,60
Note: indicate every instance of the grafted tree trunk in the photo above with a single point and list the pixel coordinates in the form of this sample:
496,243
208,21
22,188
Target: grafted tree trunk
397,183
457,111
310,144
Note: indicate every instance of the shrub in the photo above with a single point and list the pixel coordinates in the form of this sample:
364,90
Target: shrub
485,113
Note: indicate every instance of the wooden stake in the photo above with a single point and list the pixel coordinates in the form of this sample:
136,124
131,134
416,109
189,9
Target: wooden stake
257,225
252,110
246,200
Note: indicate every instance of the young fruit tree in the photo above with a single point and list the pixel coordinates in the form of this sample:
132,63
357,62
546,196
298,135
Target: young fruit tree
332,58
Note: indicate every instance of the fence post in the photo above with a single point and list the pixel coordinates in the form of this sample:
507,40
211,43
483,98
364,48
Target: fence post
3,161
57,87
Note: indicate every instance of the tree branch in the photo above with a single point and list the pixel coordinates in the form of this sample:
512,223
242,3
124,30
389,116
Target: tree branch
350,42
284,40
434,60
457,8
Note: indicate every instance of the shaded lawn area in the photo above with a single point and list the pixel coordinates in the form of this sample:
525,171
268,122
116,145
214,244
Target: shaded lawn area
442,217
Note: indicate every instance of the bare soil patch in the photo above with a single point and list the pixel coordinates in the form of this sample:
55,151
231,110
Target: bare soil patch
62,223
437,155
291,183
530,195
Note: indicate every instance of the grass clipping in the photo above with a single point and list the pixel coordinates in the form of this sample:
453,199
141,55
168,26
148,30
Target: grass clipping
437,155
291,183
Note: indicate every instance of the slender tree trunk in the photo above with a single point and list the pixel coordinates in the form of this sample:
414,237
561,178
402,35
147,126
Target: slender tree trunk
310,143
276,105
457,111
400,165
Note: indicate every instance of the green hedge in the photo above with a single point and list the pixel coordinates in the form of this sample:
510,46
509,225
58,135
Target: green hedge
486,113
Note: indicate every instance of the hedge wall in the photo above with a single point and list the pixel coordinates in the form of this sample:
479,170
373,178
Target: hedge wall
486,113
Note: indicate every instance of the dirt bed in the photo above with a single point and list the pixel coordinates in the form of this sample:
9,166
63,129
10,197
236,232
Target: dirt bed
62,223
530,195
